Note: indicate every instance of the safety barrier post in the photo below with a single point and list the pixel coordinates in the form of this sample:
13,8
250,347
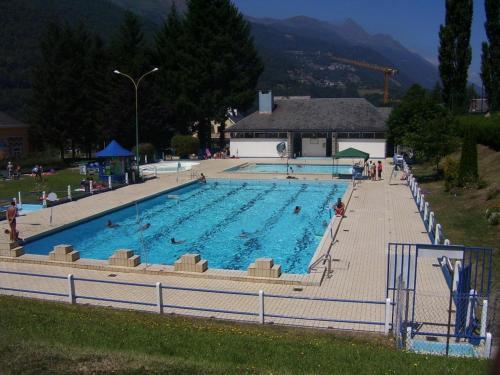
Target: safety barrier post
126,178
426,211
437,237
261,307
422,202
456,275
159,297
387,316
145,158
470,307
19,201
69,192
71,289
487,346
484,316
91,187
430,227
110,184
447,242
44,200
418,195
408,338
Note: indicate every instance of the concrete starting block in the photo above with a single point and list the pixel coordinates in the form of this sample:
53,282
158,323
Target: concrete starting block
124,258
264,267
191,263
11,249
64,253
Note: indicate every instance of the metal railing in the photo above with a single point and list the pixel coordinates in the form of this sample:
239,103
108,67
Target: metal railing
73,290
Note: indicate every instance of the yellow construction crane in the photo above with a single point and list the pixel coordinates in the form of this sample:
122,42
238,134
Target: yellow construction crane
388,72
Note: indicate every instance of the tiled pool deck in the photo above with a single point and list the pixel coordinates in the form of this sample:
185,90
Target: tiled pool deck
378,213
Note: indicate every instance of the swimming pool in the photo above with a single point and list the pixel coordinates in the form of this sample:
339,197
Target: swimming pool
293,168
209,218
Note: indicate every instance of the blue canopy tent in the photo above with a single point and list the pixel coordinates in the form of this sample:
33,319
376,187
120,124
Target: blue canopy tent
115,166
114,150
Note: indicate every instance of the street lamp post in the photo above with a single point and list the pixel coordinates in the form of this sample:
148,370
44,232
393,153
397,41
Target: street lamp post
136,86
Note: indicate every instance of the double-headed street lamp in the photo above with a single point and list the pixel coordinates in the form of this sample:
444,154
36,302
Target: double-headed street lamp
136,86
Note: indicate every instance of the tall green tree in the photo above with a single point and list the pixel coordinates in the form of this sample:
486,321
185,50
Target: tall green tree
468,171
127,55
220,64
65,107
424,125
490,59
455,53
168,56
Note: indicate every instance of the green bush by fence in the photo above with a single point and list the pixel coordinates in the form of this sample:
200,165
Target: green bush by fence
487,129
185,145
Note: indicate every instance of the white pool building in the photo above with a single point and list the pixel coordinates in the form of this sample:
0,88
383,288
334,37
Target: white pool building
311,127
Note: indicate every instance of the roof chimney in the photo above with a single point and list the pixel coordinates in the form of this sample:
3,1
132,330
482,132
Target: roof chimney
266,102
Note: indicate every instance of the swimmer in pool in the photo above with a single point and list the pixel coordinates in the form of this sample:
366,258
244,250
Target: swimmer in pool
110,224
243,234
296,211
145,226
173,241
325,223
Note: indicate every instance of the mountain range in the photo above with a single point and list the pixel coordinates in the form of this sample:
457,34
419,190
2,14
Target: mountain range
296,51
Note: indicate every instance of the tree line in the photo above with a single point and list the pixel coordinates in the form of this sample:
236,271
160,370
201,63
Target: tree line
207,64
433,130
455,54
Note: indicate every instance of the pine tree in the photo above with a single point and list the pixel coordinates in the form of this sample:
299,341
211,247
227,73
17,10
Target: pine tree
468,172
220,64
455,53
167,55
127,55
490,59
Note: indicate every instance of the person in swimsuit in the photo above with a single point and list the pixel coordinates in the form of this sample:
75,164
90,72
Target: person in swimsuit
296,210
173,241
339,208
11,218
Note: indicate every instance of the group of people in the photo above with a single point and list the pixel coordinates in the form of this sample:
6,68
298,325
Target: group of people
37,172
374,170
13,173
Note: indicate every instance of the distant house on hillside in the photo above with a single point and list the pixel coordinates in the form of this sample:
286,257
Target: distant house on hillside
311,127
13,136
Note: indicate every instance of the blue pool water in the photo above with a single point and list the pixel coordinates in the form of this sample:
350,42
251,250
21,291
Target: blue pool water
209,218
295,169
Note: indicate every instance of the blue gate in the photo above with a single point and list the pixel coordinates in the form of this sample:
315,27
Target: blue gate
450,276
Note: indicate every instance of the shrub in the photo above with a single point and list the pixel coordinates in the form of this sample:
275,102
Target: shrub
487,129
146,149
492,193
468,172
185,145
450,169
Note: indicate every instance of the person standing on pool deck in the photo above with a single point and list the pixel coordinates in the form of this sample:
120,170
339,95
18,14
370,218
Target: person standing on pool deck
379,170
11,214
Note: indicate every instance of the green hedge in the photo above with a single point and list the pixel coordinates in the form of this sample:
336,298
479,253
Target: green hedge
185,145
487,129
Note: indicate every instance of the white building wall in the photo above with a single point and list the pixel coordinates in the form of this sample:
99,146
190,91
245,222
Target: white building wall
375,147
313,146
255,147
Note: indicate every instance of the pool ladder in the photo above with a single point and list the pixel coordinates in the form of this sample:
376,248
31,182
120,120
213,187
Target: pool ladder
325,258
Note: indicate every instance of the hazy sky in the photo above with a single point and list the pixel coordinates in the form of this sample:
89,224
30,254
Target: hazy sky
415,23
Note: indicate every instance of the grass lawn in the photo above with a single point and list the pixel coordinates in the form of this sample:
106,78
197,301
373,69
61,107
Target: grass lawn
462,212
46,337
31,190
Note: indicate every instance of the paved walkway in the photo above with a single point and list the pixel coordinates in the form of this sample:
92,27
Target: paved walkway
378,213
